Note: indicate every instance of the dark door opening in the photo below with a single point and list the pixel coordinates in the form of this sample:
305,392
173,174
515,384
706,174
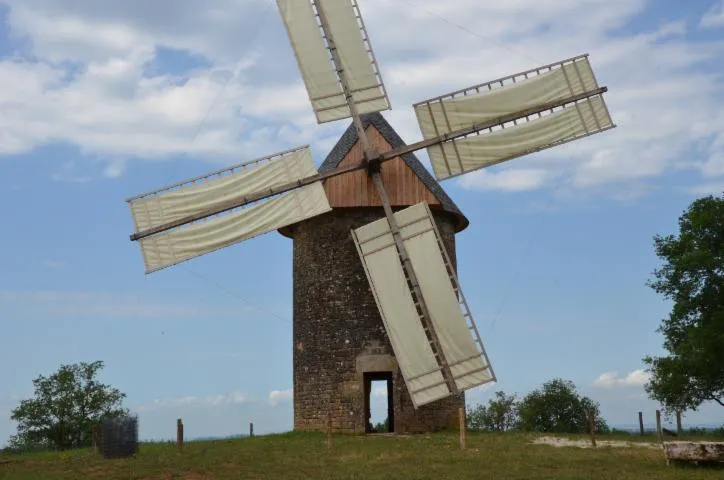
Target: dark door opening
378,386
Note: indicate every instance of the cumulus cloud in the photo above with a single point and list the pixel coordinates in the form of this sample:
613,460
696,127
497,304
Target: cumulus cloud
714,17
279,396
637,378
135,80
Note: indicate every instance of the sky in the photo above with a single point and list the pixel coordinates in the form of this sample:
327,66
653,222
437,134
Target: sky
103,100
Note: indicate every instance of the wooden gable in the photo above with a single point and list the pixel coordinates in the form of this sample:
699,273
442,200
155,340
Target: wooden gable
356,189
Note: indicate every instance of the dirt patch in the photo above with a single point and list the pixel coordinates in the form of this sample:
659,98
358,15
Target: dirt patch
97,472
567,442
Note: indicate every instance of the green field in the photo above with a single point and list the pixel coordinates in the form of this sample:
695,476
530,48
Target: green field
305,456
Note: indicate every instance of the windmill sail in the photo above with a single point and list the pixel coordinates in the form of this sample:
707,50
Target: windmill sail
314,57
474,152
413,352
555,83
183,243
462,348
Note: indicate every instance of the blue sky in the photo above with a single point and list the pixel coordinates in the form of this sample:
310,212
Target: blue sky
103,100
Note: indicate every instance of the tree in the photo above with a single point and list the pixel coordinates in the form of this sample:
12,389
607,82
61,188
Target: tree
692,276
65,407
557,407
382,427
499,415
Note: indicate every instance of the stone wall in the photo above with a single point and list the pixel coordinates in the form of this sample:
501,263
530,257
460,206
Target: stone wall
338,333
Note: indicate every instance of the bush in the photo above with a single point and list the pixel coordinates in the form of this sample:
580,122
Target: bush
499,415
558,408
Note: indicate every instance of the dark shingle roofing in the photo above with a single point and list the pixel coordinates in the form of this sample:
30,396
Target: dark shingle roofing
349,138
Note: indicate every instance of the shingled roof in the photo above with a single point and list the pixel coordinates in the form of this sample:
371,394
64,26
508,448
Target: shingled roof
349,139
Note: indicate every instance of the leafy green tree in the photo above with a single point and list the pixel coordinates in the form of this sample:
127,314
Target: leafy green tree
382,427
65,407
499,415
557,407
692,276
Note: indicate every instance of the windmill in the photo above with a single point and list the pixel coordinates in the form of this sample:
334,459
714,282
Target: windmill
408,269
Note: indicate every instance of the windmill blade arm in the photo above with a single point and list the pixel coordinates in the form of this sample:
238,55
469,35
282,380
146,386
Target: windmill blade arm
245,200
478,127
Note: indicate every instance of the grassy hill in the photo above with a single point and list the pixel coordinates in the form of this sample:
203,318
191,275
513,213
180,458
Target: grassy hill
305,456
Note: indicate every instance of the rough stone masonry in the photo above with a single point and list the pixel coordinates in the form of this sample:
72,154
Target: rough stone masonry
339,334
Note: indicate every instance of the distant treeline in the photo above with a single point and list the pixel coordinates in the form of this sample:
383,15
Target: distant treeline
556,407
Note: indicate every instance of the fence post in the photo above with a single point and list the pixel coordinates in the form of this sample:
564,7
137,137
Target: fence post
679,428
641,423
463,429
179,434
659,433
251,429
592,426
329,430
95,436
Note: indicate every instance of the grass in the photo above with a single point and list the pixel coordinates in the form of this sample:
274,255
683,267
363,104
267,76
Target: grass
305,456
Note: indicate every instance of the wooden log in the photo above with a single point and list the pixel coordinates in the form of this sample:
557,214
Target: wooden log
704,452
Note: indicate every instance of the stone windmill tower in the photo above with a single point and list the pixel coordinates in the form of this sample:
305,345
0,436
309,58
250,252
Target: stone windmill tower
340,343
376,293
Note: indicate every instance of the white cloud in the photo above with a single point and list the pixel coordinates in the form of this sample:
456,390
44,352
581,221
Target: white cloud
103,81
714,17
278,396
512,180
637,378
115,168
380,392
67,173
233,398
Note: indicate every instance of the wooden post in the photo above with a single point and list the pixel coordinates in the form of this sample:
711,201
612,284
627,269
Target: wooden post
95,436
463,429
251,429
179,435
679,428
329,431
592,426
641,423
659,433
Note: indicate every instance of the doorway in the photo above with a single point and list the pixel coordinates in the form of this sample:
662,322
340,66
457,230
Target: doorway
378,402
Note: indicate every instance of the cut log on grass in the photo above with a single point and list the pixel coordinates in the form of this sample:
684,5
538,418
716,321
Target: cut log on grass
700,452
